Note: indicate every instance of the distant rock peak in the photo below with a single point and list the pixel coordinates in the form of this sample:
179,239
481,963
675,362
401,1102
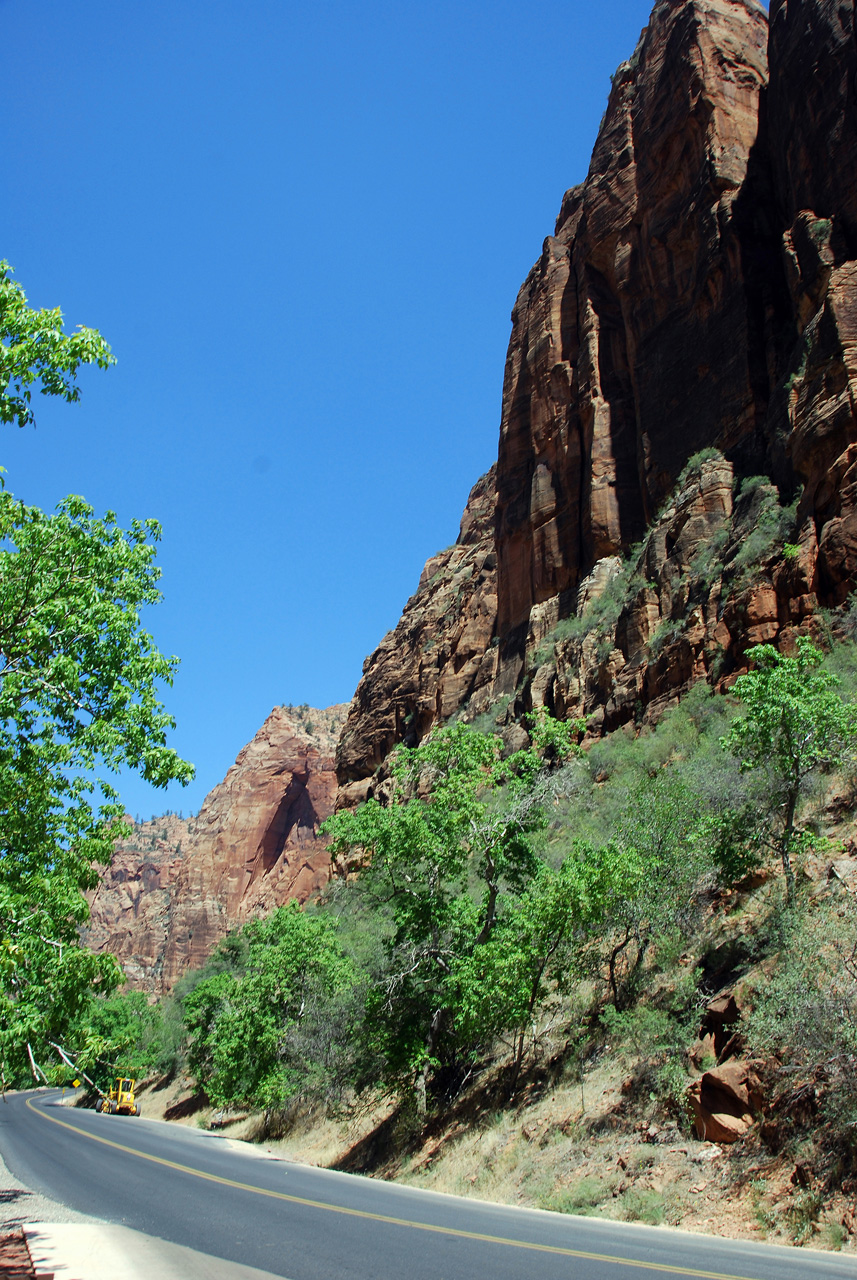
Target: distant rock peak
165,902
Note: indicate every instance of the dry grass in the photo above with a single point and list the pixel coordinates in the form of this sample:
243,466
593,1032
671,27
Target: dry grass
312,1138
603,1150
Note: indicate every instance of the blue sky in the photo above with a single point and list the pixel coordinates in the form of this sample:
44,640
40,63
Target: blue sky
302,229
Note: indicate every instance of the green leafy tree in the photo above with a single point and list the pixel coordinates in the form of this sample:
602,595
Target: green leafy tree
795,723
34,348
117,1035
79,696
661,1031
79,681
445,861
805,1011
536,953
248,1030
655,869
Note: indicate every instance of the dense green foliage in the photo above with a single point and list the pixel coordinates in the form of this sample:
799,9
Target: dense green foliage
452,869
79,683
497,893
79,695
249,1039
806,1013
118,1033
485,906
795,723
501,896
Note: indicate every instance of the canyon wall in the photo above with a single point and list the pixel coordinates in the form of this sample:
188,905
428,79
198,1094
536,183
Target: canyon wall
677,468
130,911
696,297
632,340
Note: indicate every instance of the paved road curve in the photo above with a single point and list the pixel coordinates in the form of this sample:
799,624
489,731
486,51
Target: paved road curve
199,1190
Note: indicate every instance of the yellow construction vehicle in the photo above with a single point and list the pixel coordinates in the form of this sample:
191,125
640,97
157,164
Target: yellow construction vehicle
120,1100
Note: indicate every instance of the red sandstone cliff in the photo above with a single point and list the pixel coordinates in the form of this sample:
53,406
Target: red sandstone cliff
254,844
131,908
632,341
698,293
251,847
812,111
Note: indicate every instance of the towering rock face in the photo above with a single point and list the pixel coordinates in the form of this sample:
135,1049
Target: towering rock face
634,340
812,100
167,900
699,294
254,845
813,145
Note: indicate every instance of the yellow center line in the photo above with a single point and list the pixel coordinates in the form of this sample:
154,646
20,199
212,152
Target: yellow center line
664,1268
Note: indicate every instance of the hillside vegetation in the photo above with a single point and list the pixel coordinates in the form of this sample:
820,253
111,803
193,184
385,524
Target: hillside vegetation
521,968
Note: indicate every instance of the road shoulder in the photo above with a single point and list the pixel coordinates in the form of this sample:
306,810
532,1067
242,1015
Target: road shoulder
101,1251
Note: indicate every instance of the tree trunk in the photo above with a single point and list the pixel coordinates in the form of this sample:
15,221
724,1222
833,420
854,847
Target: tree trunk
421,1089
786,847
519,1058
614,956
534,995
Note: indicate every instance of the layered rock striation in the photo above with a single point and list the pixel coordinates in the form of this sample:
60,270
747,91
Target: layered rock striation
165,905
254,844
631,342
130,911
812,137
708,580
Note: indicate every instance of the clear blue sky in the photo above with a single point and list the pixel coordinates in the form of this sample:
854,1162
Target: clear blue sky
302,228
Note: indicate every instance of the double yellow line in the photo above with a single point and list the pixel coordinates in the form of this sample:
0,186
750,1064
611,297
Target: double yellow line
663,1268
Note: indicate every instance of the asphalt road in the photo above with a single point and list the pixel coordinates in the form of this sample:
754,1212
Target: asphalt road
200,1190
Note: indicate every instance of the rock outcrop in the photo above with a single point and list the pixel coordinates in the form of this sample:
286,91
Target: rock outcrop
631,342
813,145
255,839
254,844
726,1101
708,581
717,1035
165,904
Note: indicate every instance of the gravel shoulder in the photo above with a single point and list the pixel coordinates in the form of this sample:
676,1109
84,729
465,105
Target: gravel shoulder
19,1203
